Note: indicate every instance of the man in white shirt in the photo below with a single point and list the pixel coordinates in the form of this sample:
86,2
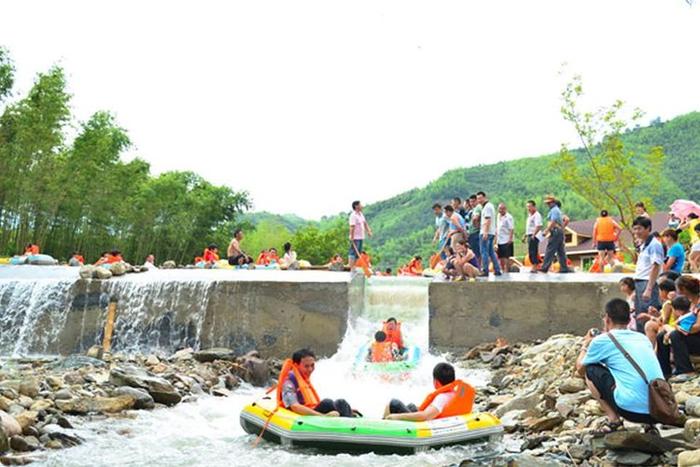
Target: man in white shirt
358,228
651,257
504,237
488,234
533,234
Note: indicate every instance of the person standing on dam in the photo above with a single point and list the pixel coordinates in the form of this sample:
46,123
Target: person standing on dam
358,228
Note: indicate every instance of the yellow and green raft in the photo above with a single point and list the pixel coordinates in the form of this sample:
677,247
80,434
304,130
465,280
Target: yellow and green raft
365,435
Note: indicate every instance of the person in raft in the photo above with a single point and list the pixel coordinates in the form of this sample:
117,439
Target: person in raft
392,330
296,393
451,397
211,254
382,350
31,249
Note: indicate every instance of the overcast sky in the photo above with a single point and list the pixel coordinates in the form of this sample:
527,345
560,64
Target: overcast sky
309,105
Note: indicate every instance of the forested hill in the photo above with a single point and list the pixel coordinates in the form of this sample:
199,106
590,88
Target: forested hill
403,225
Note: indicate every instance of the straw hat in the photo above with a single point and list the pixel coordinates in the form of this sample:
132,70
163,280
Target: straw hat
549,199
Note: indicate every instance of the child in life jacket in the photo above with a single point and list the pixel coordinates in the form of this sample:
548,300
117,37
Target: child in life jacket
451,397
382,350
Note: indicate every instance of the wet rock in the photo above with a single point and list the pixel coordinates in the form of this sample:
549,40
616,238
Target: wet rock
691,430
643,442
689,458
96,352
219,353
257,371
24,443
183,355
220,392
160,389
27,419
102,273
16,460
82,406
87,271
63,423
31,431
630,457
78,361
498,362
143,400
41,404
9,424
572,385
29,387
54,444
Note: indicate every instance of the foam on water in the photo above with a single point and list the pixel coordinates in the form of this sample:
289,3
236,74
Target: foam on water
207,432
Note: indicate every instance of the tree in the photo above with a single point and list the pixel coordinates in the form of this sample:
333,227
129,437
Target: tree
7,74
604,171
318,245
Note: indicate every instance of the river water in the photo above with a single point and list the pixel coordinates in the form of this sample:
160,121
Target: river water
206,432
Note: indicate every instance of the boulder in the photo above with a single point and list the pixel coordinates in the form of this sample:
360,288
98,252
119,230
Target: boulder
572,385
96,352
526,402
118,269
41,404
9,425
183,355
54,382
689,458
257,371
24,443
29,387
63,394
630,458
643,442
87,271
219,353
142,400
691,430
85,405
160,389
27,418
545,423
5,403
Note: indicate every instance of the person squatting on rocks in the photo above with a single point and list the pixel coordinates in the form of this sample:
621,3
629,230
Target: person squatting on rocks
612,380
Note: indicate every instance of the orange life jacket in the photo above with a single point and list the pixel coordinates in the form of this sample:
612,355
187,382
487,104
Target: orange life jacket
32,250
393,336
273,257
263,259
111,259
461,403
605,229
305,391
363,262
381,352
198,259
79,258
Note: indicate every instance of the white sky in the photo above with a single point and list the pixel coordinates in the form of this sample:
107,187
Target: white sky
309,105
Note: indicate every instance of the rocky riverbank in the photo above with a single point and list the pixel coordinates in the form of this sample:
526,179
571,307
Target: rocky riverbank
41,399
550,416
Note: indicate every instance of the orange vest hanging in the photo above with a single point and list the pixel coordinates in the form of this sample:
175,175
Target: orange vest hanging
461,403
304,387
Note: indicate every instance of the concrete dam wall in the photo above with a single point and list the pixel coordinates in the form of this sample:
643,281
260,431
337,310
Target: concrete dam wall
46,310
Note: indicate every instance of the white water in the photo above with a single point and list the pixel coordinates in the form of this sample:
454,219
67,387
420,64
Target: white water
207,432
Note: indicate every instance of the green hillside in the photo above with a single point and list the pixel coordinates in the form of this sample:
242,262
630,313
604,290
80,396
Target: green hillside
403,225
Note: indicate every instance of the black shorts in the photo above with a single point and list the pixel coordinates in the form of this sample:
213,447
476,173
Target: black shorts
606,246
505,250
396,406
603,380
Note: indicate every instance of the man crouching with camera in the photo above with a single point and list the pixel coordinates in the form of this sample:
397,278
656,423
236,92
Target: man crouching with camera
611,376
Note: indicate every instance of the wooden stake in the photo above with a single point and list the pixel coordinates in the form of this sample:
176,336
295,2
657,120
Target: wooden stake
109,325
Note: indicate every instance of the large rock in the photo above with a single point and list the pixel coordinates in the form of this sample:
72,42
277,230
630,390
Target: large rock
41,404
218,353
87,271
27,418
81,406
526,402
160,389
545,423
5,403
257,371
29,387
643,442
142,399
24,443
118,269
183,355
96,352
630,458
689,458
691,430
692,406
572,385
9,424
511,421
102,273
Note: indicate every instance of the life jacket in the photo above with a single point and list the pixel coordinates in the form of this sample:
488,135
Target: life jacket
381,352
198,259
272,257
305,391
263,259
32,250
363,262
79,258
415,267
605,229
111,259
393,336
461,403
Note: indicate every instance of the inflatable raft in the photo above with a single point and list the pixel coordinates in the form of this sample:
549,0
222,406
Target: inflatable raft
403,366
365,435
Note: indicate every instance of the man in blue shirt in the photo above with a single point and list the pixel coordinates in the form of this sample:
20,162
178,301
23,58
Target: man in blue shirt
675,256
555,243
613,381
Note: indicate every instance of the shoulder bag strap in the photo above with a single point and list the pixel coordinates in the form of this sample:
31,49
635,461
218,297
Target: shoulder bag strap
628,357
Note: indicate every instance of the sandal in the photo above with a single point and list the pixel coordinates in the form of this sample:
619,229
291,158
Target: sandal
607,428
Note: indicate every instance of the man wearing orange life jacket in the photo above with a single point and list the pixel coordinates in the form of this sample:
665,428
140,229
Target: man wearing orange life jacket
392,329
295,392
451,397
382,350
